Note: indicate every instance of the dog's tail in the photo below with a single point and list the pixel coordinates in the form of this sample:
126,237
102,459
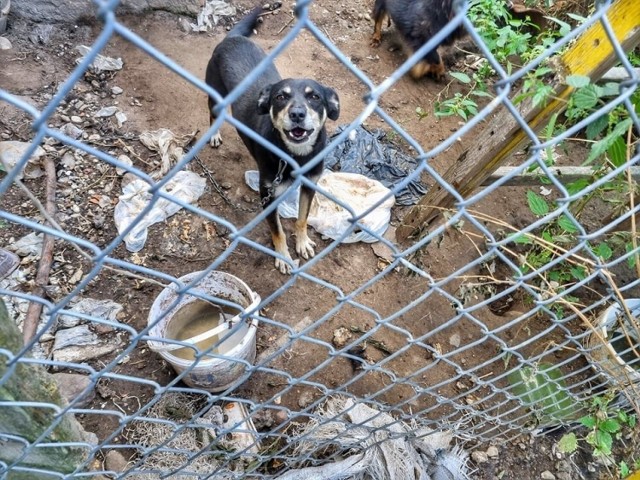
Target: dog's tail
244,28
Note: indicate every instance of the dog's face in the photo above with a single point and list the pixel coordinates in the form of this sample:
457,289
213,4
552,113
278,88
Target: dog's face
298,110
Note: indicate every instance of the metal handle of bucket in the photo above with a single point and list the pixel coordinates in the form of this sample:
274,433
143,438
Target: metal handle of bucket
226,325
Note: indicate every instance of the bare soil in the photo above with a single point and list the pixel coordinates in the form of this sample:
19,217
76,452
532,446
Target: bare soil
155,97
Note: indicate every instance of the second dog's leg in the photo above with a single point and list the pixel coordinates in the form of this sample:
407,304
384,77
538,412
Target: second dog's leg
304,245
432,65
376,38
216,139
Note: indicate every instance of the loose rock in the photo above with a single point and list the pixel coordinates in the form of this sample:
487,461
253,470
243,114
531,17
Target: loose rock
5,44
72,386
492,452
547,475
115,461
479,457
305,399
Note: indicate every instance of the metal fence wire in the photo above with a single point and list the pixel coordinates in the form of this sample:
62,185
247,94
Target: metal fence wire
510,342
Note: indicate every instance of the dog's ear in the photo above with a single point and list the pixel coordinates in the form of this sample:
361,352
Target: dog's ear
333,103
264,100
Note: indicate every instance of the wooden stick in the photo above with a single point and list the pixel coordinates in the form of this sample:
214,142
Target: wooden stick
564,175
46,258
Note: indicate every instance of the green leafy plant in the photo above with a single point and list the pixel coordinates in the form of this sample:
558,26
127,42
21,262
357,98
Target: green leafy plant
604,425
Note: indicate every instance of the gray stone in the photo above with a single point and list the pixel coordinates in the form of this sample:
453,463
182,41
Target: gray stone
5,44
115,461
70,130
479,456
68,11
116,90
305,399
492,452
454,340
547,475
72,386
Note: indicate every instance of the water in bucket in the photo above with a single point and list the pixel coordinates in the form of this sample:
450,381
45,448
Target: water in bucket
196,318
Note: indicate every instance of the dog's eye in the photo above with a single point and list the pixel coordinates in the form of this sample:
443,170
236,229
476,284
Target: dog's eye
315,96
280,97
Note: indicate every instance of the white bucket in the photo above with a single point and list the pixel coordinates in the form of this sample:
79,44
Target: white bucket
210,372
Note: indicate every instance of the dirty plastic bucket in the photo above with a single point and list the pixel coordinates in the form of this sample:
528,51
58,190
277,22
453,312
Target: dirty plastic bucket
211,373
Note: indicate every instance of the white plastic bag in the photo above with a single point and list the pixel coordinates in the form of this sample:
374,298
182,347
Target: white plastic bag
186,186
330,219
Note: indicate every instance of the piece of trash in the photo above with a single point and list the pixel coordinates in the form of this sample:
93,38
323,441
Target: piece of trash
28,246
373,445
121,118
169,145
332,220
210,15
366,153
242,436
8,262
100,62
11,152
184,186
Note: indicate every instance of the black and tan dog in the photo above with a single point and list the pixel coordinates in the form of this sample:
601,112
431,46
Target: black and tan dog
418,21
289,113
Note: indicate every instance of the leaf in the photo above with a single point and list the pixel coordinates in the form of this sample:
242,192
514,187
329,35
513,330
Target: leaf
461,77
578,81
577,186
604,441
596,127
537,204
625,471
568,443
523,240
586,97
611,426
588,421
603,251
603,145
617,152
567,224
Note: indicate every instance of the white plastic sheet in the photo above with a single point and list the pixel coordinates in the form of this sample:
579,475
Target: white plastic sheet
331,219
186,186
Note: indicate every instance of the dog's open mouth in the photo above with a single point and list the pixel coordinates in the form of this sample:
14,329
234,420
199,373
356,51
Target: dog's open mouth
298,134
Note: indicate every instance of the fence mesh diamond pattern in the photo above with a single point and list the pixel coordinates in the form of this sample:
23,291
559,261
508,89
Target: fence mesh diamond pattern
496,304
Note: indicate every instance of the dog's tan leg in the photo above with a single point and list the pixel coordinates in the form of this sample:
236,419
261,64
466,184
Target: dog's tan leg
422,68
279,243
419,70
376,38
304,245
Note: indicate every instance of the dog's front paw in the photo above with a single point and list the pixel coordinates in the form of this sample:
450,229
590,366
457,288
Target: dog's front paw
285,267
375,41
305,246
216,140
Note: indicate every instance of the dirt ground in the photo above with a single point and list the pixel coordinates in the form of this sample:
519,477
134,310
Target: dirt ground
153,97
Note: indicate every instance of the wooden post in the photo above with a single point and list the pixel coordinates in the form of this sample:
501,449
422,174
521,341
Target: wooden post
590,55
27,382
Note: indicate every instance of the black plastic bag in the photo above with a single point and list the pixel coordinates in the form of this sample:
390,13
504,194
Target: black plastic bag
368,155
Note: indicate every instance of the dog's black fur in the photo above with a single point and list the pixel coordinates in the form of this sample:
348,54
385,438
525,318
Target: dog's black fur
417,21
288,113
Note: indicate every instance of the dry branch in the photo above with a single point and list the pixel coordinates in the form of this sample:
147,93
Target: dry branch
46,258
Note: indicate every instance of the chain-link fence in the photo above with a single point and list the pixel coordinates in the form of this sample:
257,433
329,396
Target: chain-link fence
496,311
